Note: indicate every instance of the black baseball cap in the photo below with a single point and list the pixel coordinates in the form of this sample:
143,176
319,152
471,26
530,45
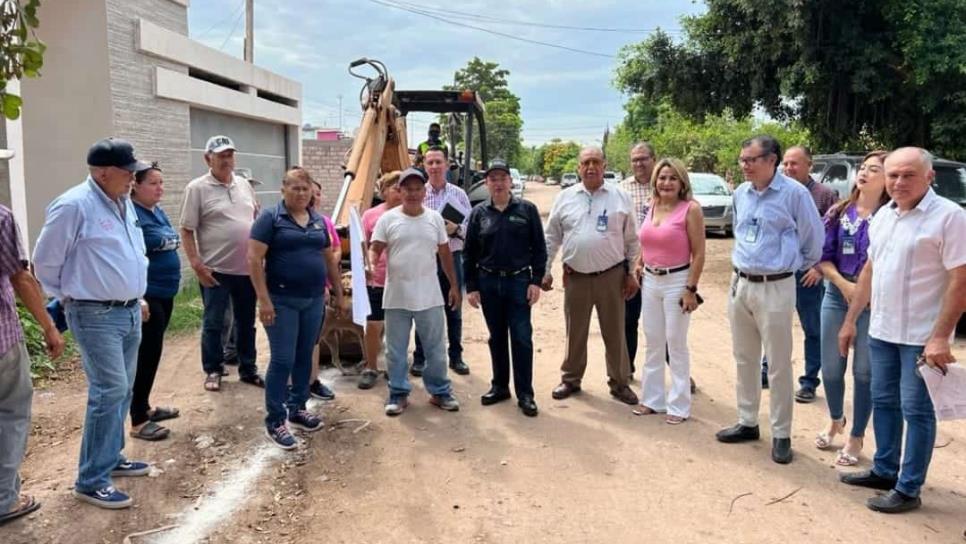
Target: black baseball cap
114,152
411,173
498,164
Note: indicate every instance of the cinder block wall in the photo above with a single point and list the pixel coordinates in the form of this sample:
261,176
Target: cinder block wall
324,162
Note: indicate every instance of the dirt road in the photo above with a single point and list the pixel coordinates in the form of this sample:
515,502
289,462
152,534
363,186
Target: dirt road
585,470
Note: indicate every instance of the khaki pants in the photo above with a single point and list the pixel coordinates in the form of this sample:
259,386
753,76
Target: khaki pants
761,316
585,292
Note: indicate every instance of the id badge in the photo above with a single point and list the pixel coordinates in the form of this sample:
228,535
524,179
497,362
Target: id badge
602,222
848,245
751,235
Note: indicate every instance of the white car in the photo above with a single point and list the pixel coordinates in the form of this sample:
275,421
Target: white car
712,192
517,180
568,179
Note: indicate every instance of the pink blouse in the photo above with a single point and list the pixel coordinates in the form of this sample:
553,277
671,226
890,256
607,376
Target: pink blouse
666,245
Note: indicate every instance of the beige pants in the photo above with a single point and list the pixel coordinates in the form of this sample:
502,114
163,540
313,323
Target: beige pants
761,316
605,292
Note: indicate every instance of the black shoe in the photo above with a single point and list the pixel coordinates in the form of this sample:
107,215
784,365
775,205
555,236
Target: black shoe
764,379
528,406
460,367
805,395
893,502
417,368
694,386
494,396
319,390
781,450
738,433
231,360
867,478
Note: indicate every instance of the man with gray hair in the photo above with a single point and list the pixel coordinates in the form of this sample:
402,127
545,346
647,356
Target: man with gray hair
916,280
638,186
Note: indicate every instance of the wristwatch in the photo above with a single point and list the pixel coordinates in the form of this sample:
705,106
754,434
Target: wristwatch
692,288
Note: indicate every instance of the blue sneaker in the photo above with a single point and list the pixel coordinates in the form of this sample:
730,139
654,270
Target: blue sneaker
445,402
396,405
304,420
280,436
131,468
321,391
108,497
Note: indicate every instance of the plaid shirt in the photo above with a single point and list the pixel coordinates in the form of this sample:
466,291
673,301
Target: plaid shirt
824,196
12,261
436,199
640,195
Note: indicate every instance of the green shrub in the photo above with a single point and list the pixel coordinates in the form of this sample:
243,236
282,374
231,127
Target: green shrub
188,310
41,366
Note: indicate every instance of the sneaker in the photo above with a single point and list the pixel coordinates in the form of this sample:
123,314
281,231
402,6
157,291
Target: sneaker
107,497
304,420
368,379
280,436
319,390
445,402
805,395
131,468
396,405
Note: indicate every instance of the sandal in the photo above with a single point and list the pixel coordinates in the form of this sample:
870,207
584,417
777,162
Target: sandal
845,459
254,379
25,505
675,420
823,440
161,414
645,411
151,431
213,382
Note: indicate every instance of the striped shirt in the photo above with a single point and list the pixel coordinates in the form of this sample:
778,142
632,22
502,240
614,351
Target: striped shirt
640,196
13,260
824,196
436,199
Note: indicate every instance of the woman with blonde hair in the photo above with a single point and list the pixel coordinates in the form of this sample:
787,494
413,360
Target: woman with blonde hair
672,259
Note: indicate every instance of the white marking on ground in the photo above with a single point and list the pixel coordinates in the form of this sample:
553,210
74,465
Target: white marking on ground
226,497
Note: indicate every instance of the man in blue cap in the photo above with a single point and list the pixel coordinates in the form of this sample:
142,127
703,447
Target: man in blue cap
91,256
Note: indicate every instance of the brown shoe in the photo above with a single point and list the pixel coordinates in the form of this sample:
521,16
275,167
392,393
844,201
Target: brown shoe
624,394
564,390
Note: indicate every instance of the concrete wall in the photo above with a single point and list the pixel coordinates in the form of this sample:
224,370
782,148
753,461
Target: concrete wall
69,106
324,162
4,168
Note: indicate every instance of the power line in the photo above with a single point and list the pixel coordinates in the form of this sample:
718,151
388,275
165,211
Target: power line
233,29
494,32
241,5
491,19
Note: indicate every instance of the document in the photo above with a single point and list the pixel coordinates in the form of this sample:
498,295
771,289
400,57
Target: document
360,297
948,393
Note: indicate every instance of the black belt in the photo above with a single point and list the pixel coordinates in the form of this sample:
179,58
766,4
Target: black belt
110,303
569,270
666,271
758,278
505,273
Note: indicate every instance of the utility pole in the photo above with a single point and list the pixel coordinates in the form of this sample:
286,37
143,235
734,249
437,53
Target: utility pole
250,31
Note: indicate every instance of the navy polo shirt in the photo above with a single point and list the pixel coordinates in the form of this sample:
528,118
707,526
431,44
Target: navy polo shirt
295,261
162,242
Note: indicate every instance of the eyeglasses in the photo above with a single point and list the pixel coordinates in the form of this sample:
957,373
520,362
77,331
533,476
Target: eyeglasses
641,160
750,160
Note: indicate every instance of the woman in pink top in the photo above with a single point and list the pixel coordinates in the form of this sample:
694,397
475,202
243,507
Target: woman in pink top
317,389
376,279
672,258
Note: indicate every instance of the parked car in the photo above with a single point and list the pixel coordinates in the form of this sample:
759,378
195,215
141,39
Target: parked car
551,181
838,171
568,179
611,177
517,183
715,197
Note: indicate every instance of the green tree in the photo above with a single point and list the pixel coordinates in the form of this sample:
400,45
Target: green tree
559,158
891,71
21,53
502,117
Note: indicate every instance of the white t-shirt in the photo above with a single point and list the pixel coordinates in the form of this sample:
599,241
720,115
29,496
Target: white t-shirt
411,245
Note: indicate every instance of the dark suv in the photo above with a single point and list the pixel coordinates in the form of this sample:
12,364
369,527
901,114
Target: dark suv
838,172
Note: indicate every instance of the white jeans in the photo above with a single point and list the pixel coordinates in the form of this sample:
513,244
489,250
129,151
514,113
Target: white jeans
666,324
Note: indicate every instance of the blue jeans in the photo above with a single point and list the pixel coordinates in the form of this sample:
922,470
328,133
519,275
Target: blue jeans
429,325
898,393
108,338
808,303
454,318
291,339
834,308
239,291
506,309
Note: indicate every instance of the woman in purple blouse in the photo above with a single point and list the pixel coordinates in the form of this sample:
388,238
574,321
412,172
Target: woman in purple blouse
844,255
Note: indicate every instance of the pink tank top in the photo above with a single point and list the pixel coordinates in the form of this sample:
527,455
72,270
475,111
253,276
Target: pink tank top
667,245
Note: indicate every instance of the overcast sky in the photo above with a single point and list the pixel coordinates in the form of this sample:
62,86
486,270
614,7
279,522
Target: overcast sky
564,93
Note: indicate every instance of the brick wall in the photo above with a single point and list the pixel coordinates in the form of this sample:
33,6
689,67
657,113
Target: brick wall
324,162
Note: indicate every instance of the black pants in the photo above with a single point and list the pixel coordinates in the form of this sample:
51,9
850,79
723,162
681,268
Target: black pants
149,355
632,322
506,310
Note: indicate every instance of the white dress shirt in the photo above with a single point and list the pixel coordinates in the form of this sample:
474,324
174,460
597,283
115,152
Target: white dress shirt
912,254
594,231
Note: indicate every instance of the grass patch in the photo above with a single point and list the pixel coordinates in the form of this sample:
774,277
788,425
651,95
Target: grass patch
42,366
188,310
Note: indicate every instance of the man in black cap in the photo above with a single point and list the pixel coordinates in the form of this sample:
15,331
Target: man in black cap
91,256
434,140
504,261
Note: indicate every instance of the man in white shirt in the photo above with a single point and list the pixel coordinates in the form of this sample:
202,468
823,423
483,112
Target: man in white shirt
413,236
593,225
916,280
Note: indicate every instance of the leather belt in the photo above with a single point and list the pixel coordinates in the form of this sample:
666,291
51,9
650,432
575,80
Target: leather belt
758,278
110,303
666,271
505,273
568,270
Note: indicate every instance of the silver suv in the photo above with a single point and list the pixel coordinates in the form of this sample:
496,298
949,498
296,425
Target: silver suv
838,171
